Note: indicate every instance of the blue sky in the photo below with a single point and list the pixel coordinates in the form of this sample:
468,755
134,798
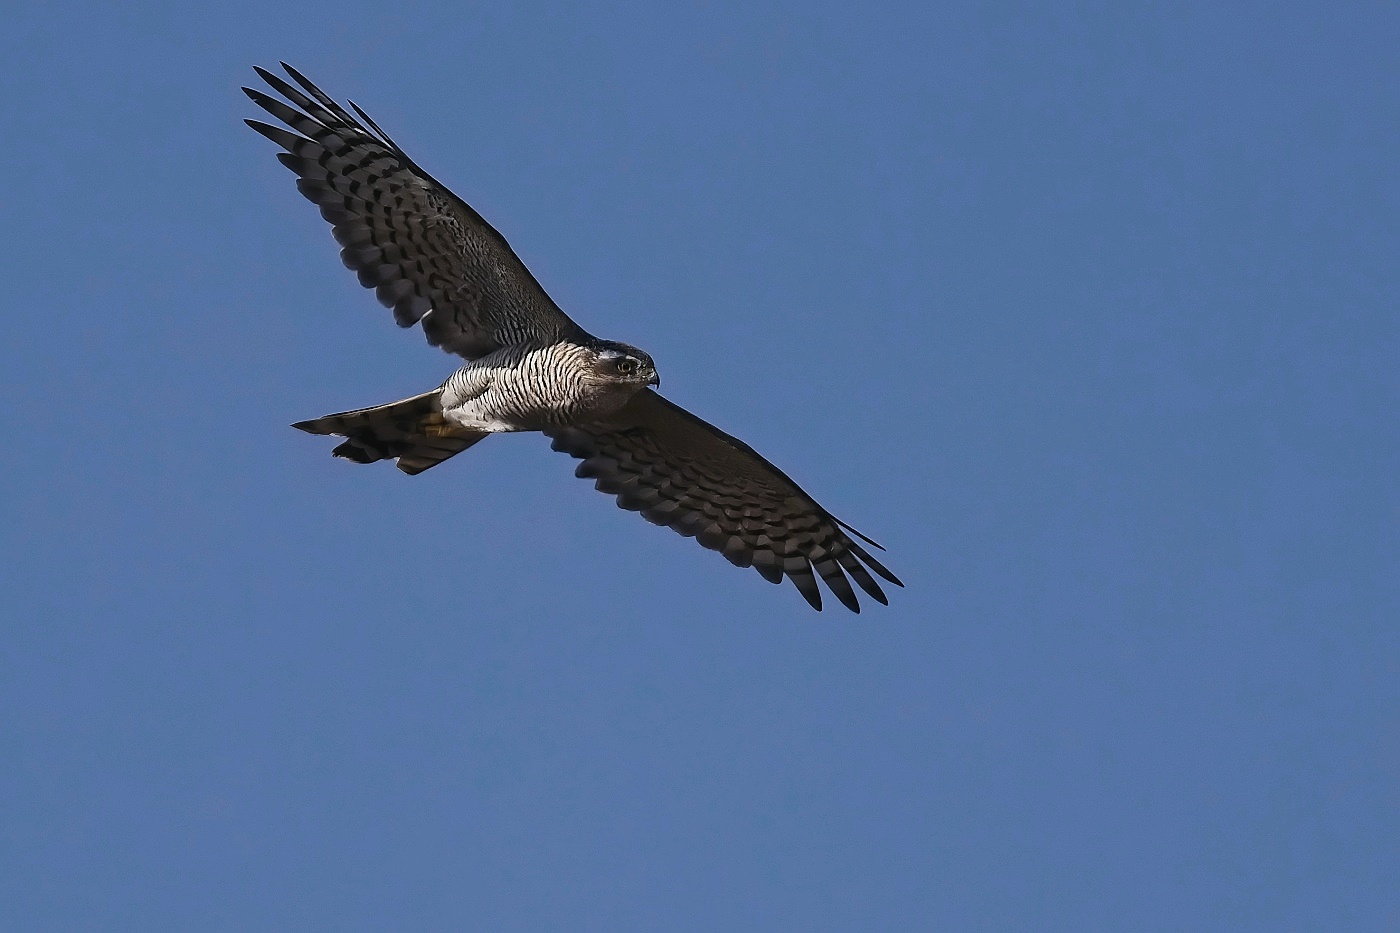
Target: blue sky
1086,311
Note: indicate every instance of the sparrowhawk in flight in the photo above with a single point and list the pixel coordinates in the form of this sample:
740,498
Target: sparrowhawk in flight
433,259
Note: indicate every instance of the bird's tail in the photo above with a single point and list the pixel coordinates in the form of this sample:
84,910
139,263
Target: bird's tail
412,431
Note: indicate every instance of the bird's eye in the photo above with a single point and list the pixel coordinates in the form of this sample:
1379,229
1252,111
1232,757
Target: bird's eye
627,366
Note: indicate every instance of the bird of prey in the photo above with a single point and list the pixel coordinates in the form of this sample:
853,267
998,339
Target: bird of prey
432,259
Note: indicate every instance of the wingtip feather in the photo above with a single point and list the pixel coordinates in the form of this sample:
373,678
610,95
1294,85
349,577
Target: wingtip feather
870,541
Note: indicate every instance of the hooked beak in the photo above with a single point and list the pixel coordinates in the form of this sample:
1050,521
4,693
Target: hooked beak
655,381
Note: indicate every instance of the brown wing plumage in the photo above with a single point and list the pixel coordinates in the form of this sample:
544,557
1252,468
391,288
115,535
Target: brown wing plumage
424,251
679,471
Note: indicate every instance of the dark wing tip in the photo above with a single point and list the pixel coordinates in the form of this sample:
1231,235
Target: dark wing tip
870,541
284,138
261,97
874,564
369,121
847,598
882,571
806,585
829,569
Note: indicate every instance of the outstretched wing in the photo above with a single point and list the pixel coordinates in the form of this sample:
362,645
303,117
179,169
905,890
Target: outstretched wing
423,250
679,471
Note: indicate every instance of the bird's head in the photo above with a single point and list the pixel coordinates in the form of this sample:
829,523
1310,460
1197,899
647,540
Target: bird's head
621,364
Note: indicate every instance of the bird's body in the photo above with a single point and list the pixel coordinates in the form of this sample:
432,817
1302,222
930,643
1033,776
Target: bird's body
530,388
436,262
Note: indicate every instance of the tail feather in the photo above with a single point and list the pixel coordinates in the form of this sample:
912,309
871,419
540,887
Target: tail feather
412,431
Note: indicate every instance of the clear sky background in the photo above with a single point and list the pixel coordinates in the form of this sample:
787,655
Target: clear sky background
1088,312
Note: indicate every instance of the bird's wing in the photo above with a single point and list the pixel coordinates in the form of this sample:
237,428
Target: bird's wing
679,471
423,250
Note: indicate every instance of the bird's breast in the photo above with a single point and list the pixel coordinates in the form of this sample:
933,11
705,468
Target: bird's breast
530,390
